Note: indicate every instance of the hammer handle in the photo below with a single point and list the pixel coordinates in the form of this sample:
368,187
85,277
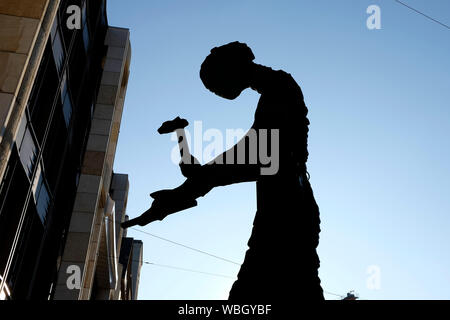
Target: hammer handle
183,146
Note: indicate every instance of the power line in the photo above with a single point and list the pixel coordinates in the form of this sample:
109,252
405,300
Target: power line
192,270
334,294
423,14
187,247
168,266
202,252
188,270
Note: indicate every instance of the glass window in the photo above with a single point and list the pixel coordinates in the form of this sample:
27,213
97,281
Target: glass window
36,182
21,132
44,90
58,52
77,67
85,28
92,110
28,153
63,87
42,200
67,109
41,195
86,38
83,14
65,100
55,147
57,46
54,30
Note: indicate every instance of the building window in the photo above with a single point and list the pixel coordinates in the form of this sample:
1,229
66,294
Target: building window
55,148
67,110
86,38
28,152
66,101
43,94
85,28
21,132
83,14
42,199
57,46
41,195
63,90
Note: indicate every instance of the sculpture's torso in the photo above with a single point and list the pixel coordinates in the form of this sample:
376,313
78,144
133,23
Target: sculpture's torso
282,248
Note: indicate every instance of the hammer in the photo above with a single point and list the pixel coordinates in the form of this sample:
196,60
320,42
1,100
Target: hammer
177,125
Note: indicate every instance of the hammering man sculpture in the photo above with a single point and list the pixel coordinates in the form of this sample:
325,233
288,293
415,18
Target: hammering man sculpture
281,262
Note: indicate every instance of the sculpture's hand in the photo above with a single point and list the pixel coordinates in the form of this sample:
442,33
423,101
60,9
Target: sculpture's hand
166,202
155,213
190,169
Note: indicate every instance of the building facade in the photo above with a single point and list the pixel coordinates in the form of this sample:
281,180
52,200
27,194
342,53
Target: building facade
63,78
131,260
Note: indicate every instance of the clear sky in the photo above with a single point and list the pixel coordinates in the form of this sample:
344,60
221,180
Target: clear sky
379,138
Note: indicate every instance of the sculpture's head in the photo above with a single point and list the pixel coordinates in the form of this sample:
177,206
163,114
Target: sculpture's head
227,70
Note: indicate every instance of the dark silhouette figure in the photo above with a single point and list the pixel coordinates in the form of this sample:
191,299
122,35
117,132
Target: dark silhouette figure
281,262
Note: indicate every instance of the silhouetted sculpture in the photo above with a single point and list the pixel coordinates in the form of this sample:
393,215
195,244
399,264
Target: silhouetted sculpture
281,262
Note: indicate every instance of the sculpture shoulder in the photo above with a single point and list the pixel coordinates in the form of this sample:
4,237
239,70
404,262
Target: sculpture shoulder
287,83
281,103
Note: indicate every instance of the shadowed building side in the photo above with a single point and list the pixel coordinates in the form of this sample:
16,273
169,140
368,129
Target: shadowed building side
131,261
62,95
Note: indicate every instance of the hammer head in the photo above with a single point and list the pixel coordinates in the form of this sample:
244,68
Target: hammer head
172,125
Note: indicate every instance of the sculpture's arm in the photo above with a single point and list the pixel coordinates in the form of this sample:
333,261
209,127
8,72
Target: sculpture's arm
240,163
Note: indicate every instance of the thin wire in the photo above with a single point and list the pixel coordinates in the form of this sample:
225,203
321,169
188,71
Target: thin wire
334,294
188,270
167,266
187,247
205,273
423,14
203,252
192,270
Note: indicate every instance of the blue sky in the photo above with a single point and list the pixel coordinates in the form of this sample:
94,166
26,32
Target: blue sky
379,137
